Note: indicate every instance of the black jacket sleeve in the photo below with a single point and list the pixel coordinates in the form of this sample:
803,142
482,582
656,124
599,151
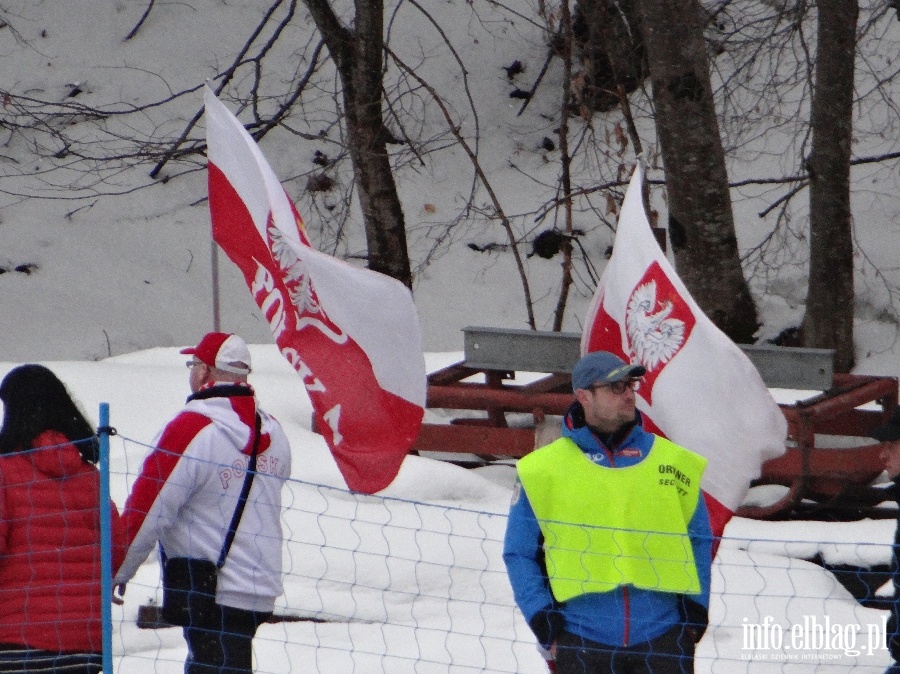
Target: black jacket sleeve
547,624
695,617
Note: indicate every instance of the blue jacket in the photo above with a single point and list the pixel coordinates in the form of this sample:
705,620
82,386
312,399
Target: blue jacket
624,616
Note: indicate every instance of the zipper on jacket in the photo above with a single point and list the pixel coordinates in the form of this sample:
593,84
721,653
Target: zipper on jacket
607,450
610,450
626,601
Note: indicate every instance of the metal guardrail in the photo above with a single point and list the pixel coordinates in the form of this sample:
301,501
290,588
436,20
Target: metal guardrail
505,349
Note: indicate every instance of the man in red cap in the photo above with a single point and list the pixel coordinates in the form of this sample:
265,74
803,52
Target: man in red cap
220,357
187,494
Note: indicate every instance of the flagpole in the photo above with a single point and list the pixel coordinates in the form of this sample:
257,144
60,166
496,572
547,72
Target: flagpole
658,232
215,287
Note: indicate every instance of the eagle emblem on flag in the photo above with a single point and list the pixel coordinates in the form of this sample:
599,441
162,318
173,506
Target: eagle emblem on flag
658,323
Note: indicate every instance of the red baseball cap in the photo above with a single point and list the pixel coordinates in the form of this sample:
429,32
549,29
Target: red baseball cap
223,351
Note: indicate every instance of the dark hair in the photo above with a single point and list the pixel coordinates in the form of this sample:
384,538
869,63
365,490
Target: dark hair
34,401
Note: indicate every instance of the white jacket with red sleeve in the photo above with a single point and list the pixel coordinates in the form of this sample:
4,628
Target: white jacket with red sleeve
188,487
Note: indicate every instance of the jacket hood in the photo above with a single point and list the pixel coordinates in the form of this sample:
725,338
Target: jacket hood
54,455
574,427
233,410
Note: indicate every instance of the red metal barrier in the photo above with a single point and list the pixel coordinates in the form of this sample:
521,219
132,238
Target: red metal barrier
808,471
820,473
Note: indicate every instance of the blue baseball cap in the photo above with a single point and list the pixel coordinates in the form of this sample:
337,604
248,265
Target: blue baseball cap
603,367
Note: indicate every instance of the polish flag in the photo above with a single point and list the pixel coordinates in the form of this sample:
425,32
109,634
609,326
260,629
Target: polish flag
700,391
352,334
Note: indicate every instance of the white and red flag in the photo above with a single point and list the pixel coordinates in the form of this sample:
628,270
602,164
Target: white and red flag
352,334
700,391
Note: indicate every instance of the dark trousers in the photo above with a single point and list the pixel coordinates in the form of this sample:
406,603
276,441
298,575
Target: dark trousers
892,631
24,660
670,653
227,650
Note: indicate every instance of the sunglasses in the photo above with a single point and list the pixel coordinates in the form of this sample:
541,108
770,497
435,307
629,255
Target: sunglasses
617,387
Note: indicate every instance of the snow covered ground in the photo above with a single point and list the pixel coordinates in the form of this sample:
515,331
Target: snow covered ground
104,288
412,580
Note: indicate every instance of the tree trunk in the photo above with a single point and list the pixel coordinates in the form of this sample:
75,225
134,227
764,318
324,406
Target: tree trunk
829,306
609,44
701,222
566,165
359,55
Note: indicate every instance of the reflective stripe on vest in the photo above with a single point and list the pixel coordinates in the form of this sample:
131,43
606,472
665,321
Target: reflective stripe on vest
608,527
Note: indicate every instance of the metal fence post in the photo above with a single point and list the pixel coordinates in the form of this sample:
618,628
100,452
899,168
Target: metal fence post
106,539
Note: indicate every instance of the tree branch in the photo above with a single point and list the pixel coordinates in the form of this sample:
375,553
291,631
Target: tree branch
226,77
498,208
140,22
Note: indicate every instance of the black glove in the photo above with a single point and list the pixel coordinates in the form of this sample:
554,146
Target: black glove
894,647
695,617
547,624
893,642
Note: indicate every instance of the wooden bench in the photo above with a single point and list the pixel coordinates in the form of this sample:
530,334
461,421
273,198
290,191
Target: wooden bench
485,381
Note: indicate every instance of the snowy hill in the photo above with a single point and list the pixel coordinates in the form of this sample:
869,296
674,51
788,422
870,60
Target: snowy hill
100,259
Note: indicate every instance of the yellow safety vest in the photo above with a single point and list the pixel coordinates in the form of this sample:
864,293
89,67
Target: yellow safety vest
608,527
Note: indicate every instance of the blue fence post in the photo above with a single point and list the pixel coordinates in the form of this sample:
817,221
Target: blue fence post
106,539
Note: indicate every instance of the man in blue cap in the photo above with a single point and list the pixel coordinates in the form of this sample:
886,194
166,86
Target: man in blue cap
608,545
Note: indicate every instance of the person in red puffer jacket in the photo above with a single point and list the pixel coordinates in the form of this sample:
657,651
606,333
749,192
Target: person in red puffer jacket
50,612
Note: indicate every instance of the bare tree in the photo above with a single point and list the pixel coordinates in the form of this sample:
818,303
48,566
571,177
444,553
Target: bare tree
781,95
701,223
609,44
359,56
58,146
829,307
565,174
